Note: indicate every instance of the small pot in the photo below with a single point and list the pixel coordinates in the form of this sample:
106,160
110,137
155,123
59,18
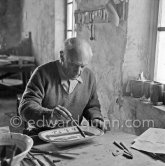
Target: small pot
163,97
147,88
156,93
137,88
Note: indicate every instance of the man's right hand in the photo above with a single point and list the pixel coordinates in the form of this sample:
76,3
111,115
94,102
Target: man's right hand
60,112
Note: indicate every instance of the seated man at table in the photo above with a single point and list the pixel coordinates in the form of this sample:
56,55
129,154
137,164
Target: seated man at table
63,87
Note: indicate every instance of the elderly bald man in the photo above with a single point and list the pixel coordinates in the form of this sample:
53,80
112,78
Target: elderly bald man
63,86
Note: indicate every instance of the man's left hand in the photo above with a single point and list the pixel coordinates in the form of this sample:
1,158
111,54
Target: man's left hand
99,124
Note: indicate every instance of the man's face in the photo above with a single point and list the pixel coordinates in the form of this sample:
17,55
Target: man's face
73,68
77,54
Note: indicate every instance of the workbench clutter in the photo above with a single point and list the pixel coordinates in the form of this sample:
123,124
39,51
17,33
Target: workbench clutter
105,14
99,152
122,150
28,151
152,143
147,90
13,148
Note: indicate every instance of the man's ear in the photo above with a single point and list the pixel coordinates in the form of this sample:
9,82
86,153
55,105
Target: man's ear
62,56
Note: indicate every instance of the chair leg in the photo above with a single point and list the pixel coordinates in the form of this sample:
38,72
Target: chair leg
19,96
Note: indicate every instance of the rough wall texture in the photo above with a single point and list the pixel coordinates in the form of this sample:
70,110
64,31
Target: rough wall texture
108,49
139,57
41,19
120,53
141,27
38,18
60,21
10,23
141,116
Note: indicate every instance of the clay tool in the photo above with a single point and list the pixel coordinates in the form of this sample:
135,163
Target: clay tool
78,127
126,148
51,163
71,118
35,150
36,159
125,153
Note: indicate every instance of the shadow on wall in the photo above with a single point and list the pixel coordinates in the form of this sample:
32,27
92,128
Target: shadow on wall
10,23
3,7
23,48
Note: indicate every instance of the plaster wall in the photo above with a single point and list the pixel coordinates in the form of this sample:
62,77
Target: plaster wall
45,21
60,12
140,116
108,49
120,53
10,21
140,39
139,57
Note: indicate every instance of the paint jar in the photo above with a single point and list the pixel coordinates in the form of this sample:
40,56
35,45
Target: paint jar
163,97
147,88
137,88
156,93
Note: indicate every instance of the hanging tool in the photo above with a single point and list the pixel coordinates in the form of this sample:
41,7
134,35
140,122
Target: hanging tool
92,28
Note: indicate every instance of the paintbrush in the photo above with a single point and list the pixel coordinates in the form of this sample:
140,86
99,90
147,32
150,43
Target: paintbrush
78,127
34,159
71,118
51,163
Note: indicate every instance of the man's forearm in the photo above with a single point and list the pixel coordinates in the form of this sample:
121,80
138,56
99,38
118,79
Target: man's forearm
34,113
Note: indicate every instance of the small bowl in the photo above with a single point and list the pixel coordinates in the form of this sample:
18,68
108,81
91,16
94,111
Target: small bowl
22,141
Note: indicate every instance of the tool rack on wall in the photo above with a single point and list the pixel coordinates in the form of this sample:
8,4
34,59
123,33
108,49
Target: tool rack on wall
104,14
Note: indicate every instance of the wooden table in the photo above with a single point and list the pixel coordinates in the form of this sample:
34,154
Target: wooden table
24,69
99,153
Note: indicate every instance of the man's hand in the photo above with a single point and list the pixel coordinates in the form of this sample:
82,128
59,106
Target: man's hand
59,117
60,111
99,124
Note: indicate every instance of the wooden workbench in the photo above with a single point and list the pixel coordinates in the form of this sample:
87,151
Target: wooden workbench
99,153
24,69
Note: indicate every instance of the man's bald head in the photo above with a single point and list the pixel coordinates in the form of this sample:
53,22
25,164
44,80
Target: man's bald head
77,50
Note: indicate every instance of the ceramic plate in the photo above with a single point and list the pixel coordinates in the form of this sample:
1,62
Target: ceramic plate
69,135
